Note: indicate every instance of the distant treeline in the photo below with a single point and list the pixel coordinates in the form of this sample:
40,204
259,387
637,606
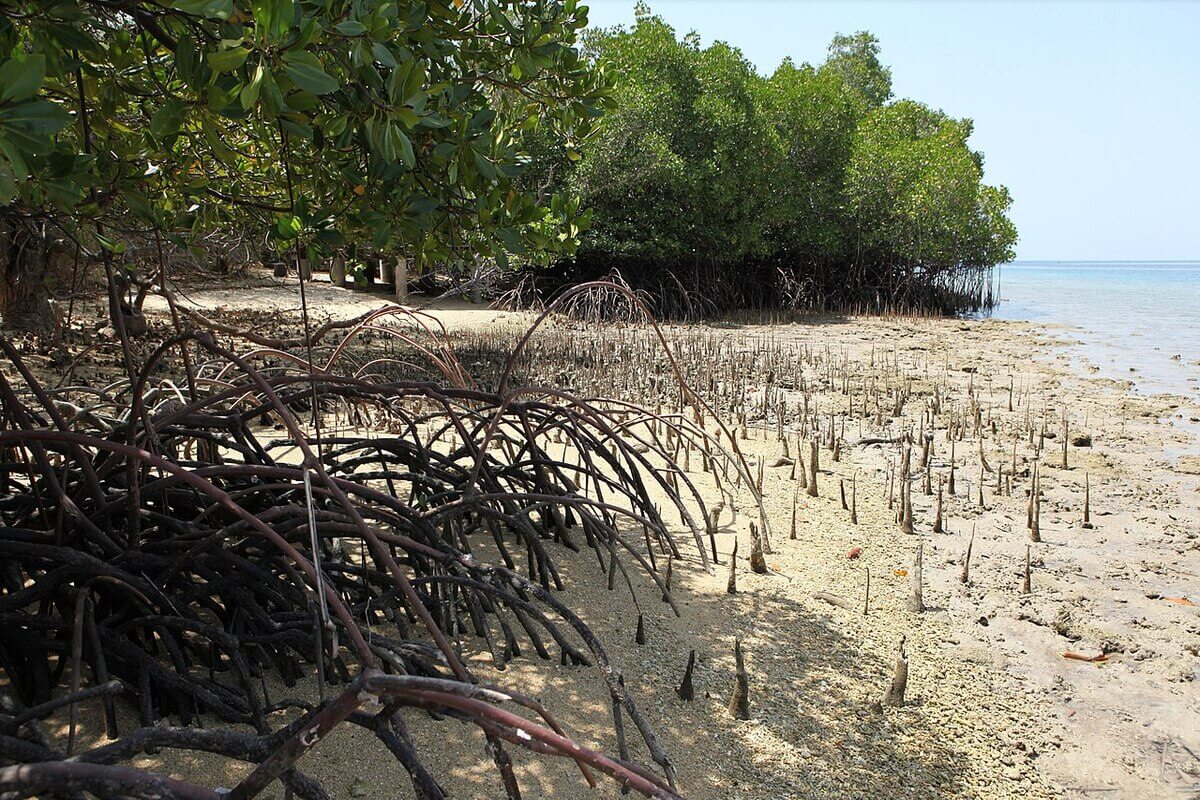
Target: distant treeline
713,187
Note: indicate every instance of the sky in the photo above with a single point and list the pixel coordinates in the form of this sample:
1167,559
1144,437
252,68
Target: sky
1089,112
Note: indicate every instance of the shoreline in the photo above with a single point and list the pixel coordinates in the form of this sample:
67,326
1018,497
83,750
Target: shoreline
1129,319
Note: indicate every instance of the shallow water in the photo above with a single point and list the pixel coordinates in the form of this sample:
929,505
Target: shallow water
1135,321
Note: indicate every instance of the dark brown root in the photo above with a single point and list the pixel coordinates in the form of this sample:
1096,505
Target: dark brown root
182,550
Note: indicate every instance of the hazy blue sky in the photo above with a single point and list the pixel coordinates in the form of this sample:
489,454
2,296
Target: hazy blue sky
1088,111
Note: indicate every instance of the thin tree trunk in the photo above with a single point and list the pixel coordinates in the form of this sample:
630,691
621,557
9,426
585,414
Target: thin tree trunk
401,278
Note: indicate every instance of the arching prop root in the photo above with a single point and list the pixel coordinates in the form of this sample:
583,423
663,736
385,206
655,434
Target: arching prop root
178,548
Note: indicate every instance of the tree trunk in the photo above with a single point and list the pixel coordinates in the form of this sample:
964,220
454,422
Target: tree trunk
24,267
477,283
401,275
337,272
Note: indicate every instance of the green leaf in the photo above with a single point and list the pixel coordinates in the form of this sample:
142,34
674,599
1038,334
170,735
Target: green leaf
331,237
406,148
272,18
63,192
19,168
486,168
297,129
302,101
110,245
30,125
70,37
211,9
413,84
306,71
407,116
380,236
288,226
335,126
434,121
140,206
168,119
501,257
227,60
272,98
381,140
217,142
185,58
249,93
512,241
423,204
36,116
8,183
351,27
384,56
20,78
482,120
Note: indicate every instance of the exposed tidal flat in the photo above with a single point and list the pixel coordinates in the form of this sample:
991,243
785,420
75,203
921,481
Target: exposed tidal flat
1065,666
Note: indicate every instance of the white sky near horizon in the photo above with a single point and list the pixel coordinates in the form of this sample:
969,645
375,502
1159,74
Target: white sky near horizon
1088,111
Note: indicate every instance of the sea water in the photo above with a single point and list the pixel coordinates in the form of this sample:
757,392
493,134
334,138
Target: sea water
1132,320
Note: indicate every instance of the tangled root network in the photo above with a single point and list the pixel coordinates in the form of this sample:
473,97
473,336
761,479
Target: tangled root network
171,547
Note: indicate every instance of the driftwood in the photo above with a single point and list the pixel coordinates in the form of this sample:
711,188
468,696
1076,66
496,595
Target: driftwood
965,577
813,467
758,562
869,440
1087,502
731,582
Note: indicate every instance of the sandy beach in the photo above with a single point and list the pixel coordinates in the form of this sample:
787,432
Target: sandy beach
995,706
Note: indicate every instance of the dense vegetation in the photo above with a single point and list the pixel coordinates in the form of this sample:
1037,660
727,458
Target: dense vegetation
714,186
305,127
450,132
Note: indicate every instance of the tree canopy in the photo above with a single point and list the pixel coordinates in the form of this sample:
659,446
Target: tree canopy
312,122
444,129
809,187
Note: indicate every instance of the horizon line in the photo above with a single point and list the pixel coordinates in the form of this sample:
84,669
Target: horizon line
1103,261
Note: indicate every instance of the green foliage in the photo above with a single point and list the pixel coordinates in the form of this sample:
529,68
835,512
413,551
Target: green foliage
681,171
807,178
855,59
814,114
915,192
447,128
316,122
